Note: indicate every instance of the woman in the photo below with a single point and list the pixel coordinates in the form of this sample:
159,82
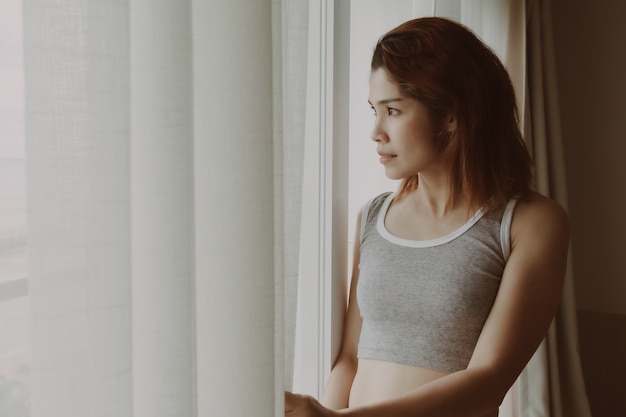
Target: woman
458,274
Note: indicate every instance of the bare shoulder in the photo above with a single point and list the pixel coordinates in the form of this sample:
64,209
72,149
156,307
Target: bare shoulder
538,218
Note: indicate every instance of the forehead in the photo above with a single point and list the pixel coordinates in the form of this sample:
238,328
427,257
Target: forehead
382,87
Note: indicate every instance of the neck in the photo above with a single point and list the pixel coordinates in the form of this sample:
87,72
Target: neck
435,195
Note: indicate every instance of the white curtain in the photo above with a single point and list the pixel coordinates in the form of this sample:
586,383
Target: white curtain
164,149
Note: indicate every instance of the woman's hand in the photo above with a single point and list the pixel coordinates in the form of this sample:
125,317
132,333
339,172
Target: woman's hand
297,405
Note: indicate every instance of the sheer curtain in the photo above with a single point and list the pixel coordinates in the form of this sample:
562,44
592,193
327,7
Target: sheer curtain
164,148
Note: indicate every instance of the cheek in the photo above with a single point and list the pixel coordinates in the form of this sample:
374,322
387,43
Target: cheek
420,141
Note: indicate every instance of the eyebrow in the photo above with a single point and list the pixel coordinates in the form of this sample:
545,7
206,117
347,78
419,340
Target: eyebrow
386,101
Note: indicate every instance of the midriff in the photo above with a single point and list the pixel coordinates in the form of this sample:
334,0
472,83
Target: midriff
377,381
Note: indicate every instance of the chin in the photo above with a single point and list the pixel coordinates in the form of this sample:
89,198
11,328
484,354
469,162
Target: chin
394,175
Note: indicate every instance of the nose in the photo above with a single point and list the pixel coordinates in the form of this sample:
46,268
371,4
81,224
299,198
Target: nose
378,134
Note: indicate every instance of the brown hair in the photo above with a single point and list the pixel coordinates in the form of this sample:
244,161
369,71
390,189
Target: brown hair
447,68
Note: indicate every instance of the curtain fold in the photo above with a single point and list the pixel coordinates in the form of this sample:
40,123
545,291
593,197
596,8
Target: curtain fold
291,63
552,384
161,209
164,152
78,191
234,206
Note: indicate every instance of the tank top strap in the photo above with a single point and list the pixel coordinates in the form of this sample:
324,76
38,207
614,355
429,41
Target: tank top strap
505,227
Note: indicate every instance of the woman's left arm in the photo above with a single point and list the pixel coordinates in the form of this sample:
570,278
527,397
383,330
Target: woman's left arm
527,300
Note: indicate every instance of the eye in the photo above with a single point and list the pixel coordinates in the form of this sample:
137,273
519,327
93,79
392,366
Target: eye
373,110
392,112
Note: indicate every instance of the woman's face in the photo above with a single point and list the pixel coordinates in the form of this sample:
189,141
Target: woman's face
403,130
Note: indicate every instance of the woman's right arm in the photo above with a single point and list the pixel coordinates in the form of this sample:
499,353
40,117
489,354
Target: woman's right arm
337,392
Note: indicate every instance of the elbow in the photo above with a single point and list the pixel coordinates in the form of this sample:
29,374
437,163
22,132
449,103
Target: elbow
346,362
494,388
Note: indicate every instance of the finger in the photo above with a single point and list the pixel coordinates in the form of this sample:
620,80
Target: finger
290,399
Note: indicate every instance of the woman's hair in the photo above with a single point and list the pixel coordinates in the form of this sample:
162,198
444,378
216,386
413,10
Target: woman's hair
448,69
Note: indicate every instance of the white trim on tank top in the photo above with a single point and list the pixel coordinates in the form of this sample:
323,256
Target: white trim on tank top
428,243
505,227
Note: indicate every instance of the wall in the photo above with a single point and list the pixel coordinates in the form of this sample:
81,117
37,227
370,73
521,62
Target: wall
591,66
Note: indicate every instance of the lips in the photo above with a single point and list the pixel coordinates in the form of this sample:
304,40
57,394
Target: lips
385,157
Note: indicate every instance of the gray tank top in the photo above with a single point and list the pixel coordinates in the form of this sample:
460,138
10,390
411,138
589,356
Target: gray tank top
424,303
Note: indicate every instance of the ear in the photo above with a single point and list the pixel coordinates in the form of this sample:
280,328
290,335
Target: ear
449,125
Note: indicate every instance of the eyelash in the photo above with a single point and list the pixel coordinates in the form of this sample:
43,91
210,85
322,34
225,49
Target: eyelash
390,111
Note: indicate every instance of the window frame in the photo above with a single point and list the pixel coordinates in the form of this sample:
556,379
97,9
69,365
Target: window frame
322,287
